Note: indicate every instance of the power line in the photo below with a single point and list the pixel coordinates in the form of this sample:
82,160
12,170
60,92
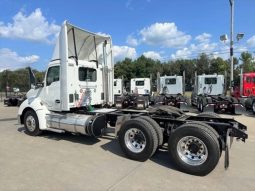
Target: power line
196,54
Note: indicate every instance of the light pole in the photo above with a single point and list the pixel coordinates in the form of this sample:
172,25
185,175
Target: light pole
231,47
231,44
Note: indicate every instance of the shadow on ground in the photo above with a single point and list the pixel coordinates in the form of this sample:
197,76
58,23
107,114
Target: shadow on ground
81,139
161,157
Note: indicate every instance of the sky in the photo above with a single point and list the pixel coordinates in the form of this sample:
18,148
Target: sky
158,29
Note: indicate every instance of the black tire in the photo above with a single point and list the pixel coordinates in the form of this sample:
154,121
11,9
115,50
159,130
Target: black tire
253,106
149,134
203,103
156,127
198,102
201,106
31,123
206,137
146,100
209,114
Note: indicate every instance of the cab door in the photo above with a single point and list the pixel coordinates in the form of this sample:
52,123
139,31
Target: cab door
52,89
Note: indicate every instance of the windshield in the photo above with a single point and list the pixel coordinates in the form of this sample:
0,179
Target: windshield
170,81
210,80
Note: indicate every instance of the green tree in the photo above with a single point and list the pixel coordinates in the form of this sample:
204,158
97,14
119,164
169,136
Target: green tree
247,62
202,64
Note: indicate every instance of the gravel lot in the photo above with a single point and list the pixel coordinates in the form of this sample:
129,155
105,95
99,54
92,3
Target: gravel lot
68,162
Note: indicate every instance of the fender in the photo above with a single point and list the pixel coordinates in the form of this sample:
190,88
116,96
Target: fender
36,104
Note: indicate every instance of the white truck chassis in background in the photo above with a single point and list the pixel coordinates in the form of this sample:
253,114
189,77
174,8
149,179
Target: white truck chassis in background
171,91
139,96
77,94
208,95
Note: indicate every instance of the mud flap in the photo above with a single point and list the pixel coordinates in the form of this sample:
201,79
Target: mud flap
183,106
239,109
118,102
229,141
209,108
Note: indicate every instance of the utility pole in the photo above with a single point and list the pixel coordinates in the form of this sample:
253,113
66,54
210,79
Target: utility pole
231,44
6,83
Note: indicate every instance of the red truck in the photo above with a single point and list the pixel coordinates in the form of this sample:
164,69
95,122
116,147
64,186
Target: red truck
246,90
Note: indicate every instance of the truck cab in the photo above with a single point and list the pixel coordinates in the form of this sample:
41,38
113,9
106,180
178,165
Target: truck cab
80,69
209,96
140,86
79,77
171,85
249,84
117,87
209,84
212,84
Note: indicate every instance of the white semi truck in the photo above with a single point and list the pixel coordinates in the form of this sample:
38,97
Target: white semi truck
140,86
139,96
209,95
77,94
171,91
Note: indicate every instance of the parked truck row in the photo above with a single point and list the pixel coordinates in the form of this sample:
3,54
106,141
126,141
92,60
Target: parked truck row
209,94
170,91
77,96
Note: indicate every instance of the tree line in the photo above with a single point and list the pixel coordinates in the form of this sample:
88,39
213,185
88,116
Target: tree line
145,67
18,79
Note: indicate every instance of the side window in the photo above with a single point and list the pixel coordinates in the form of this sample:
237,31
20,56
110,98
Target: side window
52,75
87,74
115,83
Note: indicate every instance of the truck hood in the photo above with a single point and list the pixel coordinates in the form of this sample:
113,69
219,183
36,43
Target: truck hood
33,92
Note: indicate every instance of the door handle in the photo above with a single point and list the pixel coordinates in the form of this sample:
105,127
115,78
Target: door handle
57,101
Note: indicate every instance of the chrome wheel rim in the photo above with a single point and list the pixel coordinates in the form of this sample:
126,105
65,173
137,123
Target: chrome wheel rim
253,106
192,150
135,140
30,123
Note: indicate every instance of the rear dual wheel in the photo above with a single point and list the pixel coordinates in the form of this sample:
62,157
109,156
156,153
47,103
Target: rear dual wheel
156,127
194,148
138,139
